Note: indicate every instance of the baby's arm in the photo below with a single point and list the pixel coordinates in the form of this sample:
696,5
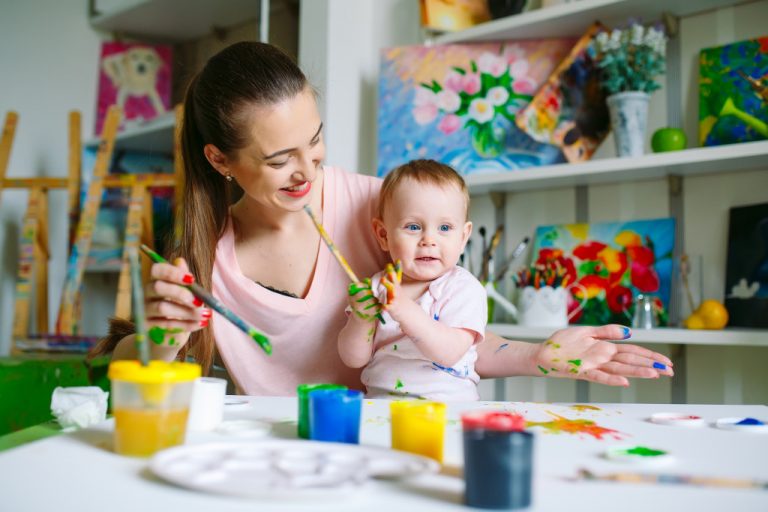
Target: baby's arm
355,340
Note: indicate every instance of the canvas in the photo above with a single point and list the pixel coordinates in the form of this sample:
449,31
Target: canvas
137,78
611,263
746,277
733,93
569,110
457,104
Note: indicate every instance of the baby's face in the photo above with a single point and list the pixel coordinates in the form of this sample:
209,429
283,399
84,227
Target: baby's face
425,227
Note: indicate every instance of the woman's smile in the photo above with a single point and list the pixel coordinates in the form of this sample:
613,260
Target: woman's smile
299,190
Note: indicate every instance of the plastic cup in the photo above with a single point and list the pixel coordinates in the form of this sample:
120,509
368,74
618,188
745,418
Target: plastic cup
150,404
334,415
418,427
498,460
206,409
303,393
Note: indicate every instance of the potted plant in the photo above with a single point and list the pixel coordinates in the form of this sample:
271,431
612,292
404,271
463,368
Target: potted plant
629,59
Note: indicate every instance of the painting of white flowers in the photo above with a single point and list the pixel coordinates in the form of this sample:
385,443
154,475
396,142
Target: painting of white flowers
457,104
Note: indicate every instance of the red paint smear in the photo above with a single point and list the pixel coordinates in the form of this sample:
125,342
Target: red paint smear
562,424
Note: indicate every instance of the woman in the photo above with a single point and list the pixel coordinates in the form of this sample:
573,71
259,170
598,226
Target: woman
252,133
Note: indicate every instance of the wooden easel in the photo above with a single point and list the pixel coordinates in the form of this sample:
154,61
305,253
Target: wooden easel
34,244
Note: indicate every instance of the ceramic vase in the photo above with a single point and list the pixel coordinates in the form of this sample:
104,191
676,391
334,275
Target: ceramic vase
629,118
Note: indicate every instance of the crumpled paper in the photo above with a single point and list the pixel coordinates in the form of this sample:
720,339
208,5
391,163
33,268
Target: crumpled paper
79,406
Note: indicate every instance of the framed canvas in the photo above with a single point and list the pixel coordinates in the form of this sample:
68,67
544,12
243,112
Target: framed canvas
457,104
733,93
746,276
609,264
137,78
569,110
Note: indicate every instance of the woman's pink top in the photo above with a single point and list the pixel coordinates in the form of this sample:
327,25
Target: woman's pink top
303,332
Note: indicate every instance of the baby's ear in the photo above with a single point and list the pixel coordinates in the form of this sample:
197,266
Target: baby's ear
466,233
380,232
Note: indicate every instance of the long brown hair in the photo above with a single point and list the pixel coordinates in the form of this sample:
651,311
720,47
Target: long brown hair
218,106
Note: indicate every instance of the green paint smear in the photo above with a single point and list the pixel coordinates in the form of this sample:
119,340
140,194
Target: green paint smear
157,335
394,347
575,362
642,451
399,384
543,370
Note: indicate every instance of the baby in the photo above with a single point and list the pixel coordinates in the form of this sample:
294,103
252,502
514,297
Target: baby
434,318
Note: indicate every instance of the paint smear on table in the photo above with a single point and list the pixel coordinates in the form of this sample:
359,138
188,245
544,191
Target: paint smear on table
582,408
563,425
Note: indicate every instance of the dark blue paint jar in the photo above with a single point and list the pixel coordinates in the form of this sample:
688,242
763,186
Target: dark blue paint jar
498,460
334,415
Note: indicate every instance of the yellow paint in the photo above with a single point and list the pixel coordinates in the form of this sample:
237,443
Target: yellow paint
141,433
578,231
418,427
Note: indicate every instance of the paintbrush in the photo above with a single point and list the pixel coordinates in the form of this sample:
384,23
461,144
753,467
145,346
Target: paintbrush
685,269
214,303
512,257
495,239
482,251
470,262
138,306
666,478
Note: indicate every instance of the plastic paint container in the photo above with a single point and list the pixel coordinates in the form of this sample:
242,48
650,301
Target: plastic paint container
498,460
334,415
150,404
303,393
418,427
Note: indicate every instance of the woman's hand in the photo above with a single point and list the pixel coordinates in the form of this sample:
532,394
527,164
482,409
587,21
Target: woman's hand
172,311
586,353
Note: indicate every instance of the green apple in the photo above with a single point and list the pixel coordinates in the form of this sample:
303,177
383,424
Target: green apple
668,139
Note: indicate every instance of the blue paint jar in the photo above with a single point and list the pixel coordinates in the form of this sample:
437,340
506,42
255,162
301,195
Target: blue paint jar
498,460
334,415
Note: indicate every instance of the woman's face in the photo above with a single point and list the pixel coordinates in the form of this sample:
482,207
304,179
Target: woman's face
278,168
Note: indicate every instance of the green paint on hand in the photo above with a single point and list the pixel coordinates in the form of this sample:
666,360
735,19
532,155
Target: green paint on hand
365,298
573,371
557,345
157,335
394,347
543,370
399,384
553,369
575,362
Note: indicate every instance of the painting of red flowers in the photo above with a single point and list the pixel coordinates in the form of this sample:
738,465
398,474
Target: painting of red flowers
611,263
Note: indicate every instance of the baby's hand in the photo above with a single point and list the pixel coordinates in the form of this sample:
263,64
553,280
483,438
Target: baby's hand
393,276
363,302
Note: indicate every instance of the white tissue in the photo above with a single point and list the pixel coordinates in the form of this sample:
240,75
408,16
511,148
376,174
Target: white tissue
79,406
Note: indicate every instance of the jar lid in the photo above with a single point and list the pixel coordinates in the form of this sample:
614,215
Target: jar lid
493,420
156,372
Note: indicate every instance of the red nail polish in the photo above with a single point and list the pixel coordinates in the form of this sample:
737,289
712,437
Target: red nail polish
188,279
207,313
197,302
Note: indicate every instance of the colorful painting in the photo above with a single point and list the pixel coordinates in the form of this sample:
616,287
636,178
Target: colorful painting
457,104
137,78
609,264
746,277
569,110
733,93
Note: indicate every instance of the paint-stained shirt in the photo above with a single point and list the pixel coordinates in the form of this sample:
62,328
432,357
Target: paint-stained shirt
303,331
456,299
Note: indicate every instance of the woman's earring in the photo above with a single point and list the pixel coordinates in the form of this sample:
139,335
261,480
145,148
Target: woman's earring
228,177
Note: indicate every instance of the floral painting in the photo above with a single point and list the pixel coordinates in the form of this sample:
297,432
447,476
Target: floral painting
733,93
569,110
609,264
458,103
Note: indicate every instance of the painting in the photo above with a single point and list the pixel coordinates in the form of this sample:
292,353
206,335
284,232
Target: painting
109,231
135,77
457,104
746,276
569,110
609,264
733,93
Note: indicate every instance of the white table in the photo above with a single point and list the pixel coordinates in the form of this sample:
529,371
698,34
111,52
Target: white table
79,472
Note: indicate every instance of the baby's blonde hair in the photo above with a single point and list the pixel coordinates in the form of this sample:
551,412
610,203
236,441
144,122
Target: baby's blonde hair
422,171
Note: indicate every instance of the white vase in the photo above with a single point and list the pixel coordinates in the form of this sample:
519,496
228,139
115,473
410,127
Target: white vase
629,118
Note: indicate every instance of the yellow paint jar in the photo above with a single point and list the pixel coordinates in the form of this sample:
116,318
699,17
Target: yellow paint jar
150,404
418,427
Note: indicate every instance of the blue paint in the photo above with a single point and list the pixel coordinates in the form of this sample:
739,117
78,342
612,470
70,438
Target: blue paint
750,421
659,366
626,332
498,467
334,415
501,347
436,317
450,370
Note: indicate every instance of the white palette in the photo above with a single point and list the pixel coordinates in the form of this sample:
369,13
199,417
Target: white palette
283,468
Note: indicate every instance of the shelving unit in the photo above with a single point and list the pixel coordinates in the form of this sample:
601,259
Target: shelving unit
156,135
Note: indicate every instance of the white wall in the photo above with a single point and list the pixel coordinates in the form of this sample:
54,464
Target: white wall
49,58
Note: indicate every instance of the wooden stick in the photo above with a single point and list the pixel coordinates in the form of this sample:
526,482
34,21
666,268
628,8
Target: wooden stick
331,246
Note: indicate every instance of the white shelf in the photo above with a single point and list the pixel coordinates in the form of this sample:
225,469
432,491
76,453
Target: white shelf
666,335
571,19
720,159
155,135
149,19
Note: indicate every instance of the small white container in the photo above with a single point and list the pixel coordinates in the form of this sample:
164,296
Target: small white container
207,408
